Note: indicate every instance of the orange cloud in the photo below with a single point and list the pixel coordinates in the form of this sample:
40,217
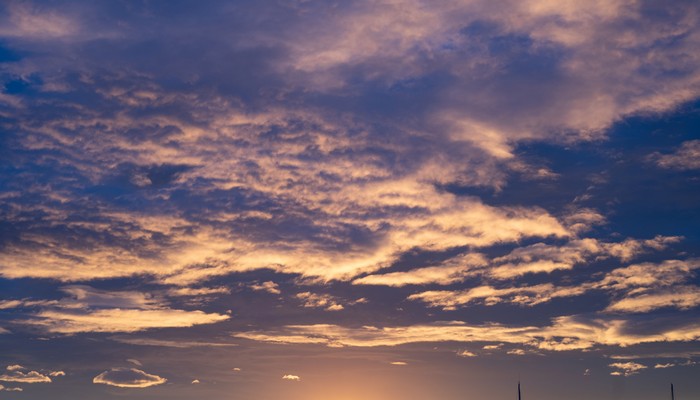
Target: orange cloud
128,378
564,334
120,320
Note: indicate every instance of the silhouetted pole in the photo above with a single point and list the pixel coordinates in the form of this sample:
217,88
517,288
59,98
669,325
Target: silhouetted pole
672,397
519,391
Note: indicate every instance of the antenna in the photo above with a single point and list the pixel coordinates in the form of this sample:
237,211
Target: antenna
672,397
519,391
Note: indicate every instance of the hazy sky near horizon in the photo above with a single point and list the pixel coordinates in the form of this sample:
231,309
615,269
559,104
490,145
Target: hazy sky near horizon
344,200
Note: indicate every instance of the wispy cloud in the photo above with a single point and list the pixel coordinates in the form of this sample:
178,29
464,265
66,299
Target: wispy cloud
533,259
627,368
325,301
26,21
202,291
181,344
119,320
635,288
648,286
683,297
91,310
20,374
686,157
466,353
526,296
452,271
267,286
663,366
128,378
565,333
157,172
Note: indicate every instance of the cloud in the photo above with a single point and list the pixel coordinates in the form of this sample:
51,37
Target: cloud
325,301
682,297
195,382
516,352
583,93
365,32
268,286
128,378
180,344
25,303
10,389
536,258
30,22
92,310
452,271
289,377
15,373
134,361
686,157
86,296
630,248
459,222
466,353
644,276
627,368
398,363
540,257
686,363
564,334
656,355
666,365
316,194
57,373
144,171
648,286
120,320
635,288
487,295
203,291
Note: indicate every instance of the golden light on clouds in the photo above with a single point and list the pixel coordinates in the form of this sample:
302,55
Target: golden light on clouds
363,199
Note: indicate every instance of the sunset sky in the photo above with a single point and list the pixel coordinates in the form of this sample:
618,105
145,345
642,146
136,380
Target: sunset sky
349,199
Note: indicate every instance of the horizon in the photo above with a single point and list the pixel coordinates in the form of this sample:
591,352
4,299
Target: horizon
363,199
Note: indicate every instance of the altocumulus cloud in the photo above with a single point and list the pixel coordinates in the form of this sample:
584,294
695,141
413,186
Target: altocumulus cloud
210,183
10,389
18,373
686,157
128,378
564,333
627,368
361,196
117,320
91,310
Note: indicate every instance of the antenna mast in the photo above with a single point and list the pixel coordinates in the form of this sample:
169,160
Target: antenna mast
520,399
672,397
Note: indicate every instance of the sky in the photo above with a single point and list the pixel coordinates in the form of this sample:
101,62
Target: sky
345,200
